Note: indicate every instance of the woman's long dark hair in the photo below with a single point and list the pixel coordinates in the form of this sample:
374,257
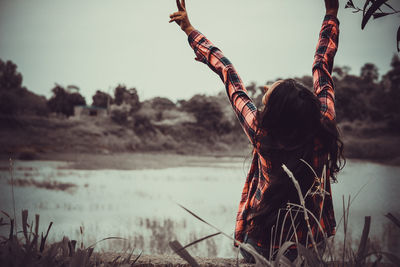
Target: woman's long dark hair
289,128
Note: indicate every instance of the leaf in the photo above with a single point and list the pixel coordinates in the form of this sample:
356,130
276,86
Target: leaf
379,15
365,6
350,4
386,4
398,39
367,14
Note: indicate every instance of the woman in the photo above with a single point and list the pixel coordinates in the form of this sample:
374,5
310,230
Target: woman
296,128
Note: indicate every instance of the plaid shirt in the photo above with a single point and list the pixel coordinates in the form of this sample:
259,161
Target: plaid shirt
258,177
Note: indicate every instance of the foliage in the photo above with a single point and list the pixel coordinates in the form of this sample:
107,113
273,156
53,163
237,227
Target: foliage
208,113
127,96
64,101
101,99
119,114
10,79
32,249
376,9
14,98
307,255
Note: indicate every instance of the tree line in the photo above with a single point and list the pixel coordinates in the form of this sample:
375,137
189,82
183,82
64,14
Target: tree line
364,97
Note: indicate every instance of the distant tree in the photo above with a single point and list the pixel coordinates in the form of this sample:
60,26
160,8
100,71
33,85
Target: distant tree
14,98
63,102
341,71
369,73
8,103
127,96
252,89
162,103
102,99
10,79
390,98
208,112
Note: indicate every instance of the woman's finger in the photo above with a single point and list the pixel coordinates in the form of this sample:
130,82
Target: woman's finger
176,19
178,3
184,4
175,14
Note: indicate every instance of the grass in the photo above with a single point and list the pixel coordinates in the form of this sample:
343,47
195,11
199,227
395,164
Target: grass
307,254
28,248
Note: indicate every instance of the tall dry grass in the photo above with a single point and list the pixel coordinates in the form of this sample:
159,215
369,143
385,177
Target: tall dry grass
313,254
26,247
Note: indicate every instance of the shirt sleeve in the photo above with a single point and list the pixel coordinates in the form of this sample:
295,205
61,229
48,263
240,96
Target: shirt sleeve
242,105
323,64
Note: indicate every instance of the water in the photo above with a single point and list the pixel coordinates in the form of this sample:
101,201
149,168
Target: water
141,205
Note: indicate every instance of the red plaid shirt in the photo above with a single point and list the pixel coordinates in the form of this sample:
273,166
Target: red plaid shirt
258,179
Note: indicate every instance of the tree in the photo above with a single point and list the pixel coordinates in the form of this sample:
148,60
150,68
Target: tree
63,102
389,99
341,72
10,79
127,96
369,73
14,98
162,103
101,99
208,113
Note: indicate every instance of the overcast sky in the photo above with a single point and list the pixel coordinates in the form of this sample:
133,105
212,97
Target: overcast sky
97,44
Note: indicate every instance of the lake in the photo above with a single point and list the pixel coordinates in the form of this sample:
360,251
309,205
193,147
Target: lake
142,205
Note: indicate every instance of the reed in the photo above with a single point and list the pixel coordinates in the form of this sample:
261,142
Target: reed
27,250
314,256
23,248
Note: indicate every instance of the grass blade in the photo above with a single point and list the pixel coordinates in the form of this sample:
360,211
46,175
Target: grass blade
183,253
285,246
136,259
393,219
201,239
43,241
363,248
306,218
209,224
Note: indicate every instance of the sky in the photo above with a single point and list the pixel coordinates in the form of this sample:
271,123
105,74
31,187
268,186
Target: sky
98,44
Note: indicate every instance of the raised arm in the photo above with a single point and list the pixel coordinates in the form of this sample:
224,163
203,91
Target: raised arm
207,53
323,59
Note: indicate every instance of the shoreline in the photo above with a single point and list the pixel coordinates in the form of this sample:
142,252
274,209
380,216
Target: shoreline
152,160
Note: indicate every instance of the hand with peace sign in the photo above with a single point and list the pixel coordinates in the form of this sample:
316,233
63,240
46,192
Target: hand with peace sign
181,17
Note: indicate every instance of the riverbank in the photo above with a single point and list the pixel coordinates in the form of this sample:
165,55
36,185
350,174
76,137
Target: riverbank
100,143
150,160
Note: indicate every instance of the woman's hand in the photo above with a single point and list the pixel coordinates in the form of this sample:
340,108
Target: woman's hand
181,17
332,7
